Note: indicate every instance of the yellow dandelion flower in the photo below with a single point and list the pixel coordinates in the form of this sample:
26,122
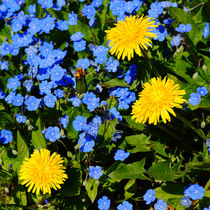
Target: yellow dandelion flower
158,98
42,171
131,35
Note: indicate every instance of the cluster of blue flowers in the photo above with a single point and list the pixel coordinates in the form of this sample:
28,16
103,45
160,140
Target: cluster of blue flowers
193,192
89,11
149,197
90,130
43,70
79,43
52,133
95,172
195,98
104,204
121,155
176,40
206,30
6,136
125,96
183,28
122,8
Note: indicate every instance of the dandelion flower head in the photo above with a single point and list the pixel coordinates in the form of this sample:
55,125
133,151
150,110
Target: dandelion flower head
131,35
43,171
157,99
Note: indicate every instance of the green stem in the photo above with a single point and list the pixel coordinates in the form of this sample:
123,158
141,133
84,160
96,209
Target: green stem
207,185
188,123
148,60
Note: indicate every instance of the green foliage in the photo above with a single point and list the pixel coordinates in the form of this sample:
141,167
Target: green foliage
164,172
137,143
22,147
91,186
164,157
72,186
38,140
129,171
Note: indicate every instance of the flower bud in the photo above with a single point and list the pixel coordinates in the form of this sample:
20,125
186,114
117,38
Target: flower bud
195,75
203,124
14,152
204,67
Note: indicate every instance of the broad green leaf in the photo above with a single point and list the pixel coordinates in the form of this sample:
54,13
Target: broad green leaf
72,186
115,83
169,191
163,171
38,140
129,171
137,143
22,147
159,148
185,68
133,124
91,186
130,189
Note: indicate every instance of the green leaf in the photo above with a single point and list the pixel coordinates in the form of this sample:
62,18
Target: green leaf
72,112
139,143
159,148
130,189
169,191
133,124
19,196
72,186
106,130
205,200
38,140
5,33
91,186
103,13
203,166
163,171
129,171
115,83
182,17
205,103
175,202
22,147
112,102
81,85
9,158
134,84
4,174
